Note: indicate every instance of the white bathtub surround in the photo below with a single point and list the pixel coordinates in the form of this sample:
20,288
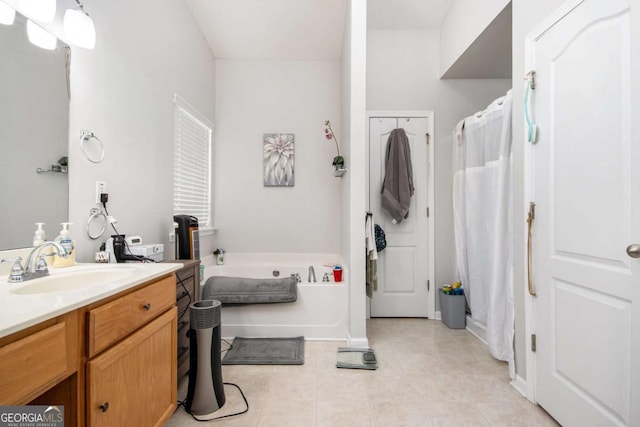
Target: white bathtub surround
320,313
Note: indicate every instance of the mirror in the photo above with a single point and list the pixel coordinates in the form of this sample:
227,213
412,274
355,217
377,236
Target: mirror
34,134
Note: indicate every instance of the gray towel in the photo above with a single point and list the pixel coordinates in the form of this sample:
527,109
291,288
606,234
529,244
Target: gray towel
397,187
240,290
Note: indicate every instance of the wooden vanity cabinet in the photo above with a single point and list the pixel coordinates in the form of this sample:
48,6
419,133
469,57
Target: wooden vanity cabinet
131,377
110,363
187,292
134,382
37,358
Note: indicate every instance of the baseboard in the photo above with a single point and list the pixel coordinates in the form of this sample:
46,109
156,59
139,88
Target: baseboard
476,329
357,342
438,315
520,384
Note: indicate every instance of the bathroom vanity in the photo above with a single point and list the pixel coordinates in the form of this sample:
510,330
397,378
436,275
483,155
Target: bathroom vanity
109,357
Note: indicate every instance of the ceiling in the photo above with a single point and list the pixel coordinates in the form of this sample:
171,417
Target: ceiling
407,14
301,29
314,29
272,29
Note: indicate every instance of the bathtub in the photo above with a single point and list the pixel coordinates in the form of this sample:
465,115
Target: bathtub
320,312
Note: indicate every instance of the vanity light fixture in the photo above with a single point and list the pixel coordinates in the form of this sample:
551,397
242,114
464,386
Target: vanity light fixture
40,10
78,27
7,14
40,37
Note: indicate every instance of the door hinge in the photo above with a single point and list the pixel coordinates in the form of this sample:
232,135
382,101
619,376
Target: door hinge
533,342
532,210
531,78
428,285
428,212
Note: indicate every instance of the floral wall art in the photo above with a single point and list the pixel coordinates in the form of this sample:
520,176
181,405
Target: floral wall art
278,162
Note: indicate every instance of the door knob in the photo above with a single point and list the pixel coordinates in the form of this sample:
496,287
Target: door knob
633,251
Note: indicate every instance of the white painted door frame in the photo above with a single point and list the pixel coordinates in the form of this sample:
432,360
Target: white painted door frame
431,303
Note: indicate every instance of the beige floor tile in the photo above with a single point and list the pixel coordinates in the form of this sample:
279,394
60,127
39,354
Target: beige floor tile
344,414
441,388
400,414
295,413
428,375
293,386
515,414
390,388
454,414
341,387
488,388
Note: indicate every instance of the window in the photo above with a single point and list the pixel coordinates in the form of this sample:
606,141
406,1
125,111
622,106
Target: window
192,160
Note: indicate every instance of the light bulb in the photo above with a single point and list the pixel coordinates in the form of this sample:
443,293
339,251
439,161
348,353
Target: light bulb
40,10
40,37
7,14
79,29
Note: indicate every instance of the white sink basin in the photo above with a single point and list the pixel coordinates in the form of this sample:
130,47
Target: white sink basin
73,281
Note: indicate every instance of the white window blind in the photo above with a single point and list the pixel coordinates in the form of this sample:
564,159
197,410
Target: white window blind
192,163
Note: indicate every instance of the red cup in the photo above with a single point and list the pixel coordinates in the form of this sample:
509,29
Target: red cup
337,275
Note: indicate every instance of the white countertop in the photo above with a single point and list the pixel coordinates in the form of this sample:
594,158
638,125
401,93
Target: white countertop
18,312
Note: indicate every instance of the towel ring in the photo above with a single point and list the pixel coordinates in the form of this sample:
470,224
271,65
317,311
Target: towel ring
95,155
95,213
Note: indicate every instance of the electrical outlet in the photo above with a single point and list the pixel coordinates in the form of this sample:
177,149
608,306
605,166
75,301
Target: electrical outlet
101,187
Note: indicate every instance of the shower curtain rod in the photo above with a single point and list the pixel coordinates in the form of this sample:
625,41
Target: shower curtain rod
479,114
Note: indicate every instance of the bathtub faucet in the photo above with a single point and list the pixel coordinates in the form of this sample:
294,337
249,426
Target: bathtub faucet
297,277
312,275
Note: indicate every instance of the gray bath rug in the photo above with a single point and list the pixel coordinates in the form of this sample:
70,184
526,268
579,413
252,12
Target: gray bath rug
265,351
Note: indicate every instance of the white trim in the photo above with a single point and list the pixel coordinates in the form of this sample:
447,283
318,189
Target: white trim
181,102
438,315
357,342
430,116
477,330
529,195
520,384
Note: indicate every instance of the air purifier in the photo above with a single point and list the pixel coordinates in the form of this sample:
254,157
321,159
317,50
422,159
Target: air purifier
205,393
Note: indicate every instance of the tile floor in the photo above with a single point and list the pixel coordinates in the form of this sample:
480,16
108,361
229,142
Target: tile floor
428,375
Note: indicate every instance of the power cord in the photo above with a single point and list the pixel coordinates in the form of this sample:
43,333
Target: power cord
181,315
246,409
139,258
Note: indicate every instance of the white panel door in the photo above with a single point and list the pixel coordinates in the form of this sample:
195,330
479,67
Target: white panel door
587,194
403,267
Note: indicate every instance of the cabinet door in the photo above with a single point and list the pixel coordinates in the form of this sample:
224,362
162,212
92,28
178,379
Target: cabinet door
134,382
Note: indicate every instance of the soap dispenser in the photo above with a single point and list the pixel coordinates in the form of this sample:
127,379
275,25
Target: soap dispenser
66,242
39,237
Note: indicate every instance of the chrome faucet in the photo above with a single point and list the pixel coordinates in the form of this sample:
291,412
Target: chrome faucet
312,275
39,268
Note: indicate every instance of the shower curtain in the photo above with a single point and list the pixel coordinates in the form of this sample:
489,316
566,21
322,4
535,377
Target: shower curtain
482,196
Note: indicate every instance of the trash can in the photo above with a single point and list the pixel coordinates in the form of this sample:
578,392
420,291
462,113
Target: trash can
452,310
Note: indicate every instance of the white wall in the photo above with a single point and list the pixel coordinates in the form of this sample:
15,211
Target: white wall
465,21
354,75
122,91
526,16
403,74
254,97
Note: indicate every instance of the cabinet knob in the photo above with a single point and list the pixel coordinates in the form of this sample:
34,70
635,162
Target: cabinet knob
104,406
147,307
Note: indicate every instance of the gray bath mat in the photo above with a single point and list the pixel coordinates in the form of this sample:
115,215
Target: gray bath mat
265,351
